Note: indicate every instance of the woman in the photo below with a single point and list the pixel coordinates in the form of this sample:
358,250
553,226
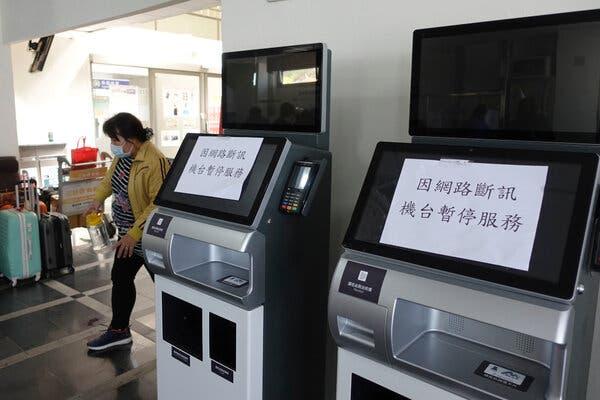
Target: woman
134,178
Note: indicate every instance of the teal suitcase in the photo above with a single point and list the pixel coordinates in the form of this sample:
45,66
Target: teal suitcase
20,251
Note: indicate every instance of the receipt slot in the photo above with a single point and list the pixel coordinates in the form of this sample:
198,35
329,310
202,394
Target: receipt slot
239,300
427,304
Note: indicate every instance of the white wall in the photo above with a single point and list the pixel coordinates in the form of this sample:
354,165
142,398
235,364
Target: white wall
27,19
57,99
146,48
371,43
8,129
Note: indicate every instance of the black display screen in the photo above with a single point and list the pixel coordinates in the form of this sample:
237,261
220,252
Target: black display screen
278,89
240,211
364,389
534,78
560,229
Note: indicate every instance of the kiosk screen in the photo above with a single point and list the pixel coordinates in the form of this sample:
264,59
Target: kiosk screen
277,89
512,217
528,78
240,208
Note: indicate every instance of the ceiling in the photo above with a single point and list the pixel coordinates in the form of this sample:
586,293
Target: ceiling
208,8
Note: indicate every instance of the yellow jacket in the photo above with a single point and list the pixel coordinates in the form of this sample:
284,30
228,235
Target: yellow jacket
148,172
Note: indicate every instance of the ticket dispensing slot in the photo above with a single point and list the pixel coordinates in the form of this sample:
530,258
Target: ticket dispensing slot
506,363
232,272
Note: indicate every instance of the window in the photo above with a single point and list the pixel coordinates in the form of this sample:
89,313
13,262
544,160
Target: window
296,76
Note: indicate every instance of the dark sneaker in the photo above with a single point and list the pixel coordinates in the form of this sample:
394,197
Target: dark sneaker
109,339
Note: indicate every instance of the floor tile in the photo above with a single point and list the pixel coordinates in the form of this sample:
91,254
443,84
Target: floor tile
69,370
141,302
82,371
27,382
32,330
103,297
15,299
8,348
145,287
149,320
88,279
83,257
73,316
143,388
45,326
66,371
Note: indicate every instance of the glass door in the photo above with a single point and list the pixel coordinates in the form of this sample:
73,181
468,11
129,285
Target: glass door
116,89
178,99
213,103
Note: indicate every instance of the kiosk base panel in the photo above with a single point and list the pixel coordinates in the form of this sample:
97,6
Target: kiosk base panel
358,377
230,364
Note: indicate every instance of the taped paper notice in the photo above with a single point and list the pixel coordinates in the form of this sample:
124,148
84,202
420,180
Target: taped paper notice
476,211
218,166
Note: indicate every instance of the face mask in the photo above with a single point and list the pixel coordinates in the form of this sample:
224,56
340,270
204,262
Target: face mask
118,151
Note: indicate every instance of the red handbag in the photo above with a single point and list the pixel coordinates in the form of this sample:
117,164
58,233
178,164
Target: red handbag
84,154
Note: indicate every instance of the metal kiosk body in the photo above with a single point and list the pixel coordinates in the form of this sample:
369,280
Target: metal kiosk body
241,285
414,320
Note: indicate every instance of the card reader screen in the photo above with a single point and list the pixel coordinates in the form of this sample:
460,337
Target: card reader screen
240,211
301,177
512,217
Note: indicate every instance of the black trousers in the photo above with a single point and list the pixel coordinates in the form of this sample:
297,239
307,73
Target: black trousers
123,296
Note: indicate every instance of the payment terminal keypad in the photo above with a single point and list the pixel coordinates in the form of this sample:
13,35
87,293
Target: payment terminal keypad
299,185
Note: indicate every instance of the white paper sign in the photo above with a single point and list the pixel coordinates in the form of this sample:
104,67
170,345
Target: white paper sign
475,211
218,166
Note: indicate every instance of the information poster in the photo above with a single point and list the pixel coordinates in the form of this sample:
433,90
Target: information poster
77,196
178,103
476,211
218,166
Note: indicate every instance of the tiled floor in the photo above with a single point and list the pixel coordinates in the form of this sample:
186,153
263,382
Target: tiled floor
44,327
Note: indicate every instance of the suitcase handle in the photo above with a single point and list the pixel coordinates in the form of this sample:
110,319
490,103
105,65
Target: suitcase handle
29,249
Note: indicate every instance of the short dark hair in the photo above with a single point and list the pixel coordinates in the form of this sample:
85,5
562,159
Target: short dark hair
126,125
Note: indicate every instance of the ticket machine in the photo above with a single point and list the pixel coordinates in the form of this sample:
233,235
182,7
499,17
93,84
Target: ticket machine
469,265
239,242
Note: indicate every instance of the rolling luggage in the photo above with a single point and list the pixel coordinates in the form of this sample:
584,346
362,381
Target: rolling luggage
20,256
55,237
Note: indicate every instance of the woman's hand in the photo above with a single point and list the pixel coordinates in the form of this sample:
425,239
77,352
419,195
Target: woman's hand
124,247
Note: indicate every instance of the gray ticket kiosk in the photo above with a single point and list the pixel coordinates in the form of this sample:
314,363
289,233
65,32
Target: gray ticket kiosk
428,304
241,270
468,269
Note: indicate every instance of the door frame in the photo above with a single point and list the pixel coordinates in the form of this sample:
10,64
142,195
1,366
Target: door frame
201,89
205,101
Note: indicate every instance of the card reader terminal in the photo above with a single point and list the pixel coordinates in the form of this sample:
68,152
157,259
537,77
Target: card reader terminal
298,187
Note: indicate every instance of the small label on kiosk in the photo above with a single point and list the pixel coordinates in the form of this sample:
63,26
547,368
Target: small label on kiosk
180,356
234,281
159,225
222,371
505,376
362,281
